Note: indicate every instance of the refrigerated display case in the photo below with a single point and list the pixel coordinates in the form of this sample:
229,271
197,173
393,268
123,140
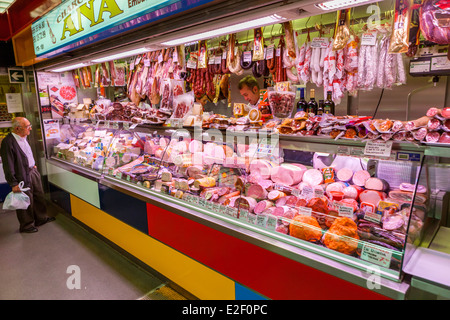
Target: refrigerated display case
339,200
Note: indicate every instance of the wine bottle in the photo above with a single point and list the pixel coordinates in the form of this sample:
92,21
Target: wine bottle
320,108
302,105
312,104
328,105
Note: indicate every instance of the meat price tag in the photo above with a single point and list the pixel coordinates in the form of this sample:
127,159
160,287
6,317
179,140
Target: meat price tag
378,148
295,192
243,215
146,62
247,56
318,193
216,207
269,52
344,211
261,220
304,211
251,218
319,42
217,60
271,222
369,38
307,192
376,255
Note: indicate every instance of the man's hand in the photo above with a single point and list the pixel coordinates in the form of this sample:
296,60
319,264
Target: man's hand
16,189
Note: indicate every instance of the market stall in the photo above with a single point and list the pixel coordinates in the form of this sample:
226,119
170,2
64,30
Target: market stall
310,193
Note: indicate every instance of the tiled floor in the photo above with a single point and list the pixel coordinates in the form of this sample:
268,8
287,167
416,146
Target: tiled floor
64,261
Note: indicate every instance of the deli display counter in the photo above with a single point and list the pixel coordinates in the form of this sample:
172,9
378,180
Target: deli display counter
282,199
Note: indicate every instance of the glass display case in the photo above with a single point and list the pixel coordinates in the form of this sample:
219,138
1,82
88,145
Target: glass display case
364,204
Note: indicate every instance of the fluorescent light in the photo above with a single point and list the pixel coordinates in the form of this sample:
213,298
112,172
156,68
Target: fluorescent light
121,55
226,30
336,4
71,67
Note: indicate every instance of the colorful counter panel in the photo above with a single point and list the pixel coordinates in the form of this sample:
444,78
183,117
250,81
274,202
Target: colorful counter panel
206,262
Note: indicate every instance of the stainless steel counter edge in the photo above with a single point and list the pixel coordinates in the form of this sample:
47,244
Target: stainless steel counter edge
286,247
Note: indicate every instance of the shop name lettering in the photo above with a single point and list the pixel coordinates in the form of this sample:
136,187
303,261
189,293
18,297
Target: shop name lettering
86,10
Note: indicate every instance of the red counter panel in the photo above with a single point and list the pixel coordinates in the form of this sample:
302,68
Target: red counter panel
270,274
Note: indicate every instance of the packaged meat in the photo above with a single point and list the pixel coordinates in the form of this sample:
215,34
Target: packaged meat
275,195
411,187
333,187
432,137
246,203
420,134
360,177
352,192
446,112
281,103
445,138
263,168
344,174
434,124
372,197
256,191
434,21
305,228
400,28
407,196
376,184
342,236
342,30
262,206
288,173
313,177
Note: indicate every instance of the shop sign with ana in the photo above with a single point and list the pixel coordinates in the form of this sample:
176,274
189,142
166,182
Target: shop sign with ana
75,20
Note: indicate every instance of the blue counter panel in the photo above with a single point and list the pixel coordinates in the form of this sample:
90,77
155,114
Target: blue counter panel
123,207
60,197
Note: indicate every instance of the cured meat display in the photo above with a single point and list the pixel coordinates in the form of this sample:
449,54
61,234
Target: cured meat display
347,206
338,208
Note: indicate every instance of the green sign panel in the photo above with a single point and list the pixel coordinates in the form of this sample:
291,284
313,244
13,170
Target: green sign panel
16,75
77,19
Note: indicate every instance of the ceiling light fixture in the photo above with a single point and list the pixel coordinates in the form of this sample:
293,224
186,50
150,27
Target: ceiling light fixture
70,67
337,4
226,30
121,55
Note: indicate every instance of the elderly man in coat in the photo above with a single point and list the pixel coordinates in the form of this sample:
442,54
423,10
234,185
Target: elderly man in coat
19,165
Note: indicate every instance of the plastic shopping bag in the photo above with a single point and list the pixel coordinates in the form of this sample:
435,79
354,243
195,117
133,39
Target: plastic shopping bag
17,200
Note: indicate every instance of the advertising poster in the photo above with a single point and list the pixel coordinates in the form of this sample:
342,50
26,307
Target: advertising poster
56,92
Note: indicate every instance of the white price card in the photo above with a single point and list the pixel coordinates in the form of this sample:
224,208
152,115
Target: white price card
243,215
247,56
344,211
369,38
319,42
261,220
216,207
271,222
304,211
269,52
378,148
376,255
251,218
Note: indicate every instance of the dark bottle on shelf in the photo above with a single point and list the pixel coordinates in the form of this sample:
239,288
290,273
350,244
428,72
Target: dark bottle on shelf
320,108
312,104
302,105
328,105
